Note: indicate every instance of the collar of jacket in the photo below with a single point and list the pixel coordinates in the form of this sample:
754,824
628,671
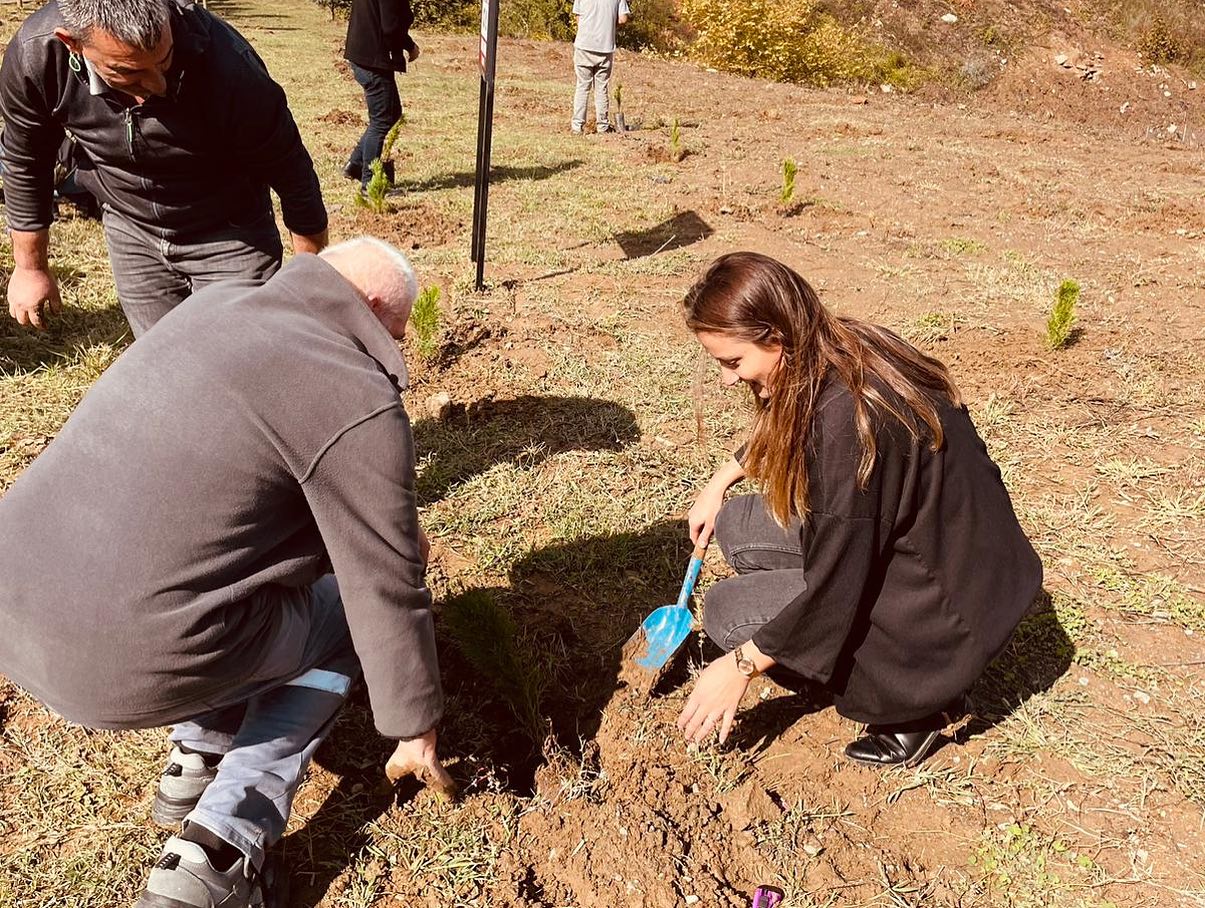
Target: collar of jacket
331,298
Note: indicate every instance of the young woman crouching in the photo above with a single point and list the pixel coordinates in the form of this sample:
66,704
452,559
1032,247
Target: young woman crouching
882,558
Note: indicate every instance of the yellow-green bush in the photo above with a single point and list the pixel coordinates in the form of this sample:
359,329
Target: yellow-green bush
788,42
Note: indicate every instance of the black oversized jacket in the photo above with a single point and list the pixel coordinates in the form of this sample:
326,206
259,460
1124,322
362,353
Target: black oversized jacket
198,160
914,584
378,34
255,438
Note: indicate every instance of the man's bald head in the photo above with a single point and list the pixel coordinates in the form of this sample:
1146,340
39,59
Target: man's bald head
382,274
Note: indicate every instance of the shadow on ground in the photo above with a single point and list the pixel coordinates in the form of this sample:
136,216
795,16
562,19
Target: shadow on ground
498,174
683,229
1039,653
527,429
538,657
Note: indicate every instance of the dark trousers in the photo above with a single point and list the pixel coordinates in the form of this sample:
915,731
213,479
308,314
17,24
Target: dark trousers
768,561
154,275
384,109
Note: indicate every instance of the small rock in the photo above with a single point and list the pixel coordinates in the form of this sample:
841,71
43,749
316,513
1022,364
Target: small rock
439,405
859,99
691,899
949,18
886,89
1167,94
1141,697
1125,107
812,850
1061,60
1083,682
1192,86
1171,129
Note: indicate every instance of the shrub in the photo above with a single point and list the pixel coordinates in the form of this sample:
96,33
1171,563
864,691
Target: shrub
447,15
537,19
788,42
425,318
1062,316
676,151
653,26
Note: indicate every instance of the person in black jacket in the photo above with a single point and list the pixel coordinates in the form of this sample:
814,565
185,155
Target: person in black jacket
180,132
882,558
378,45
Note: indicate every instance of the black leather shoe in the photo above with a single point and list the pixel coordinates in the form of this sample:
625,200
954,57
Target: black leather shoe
881,748
905,744
353,172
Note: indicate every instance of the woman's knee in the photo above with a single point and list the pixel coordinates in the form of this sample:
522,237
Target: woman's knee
728,616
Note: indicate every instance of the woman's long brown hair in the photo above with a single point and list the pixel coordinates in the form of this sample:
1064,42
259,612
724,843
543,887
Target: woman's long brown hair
756,298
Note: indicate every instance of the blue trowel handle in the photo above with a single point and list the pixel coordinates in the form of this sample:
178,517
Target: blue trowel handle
692,575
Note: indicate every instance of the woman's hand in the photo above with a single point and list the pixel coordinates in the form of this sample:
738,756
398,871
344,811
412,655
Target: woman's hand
715,700
702,514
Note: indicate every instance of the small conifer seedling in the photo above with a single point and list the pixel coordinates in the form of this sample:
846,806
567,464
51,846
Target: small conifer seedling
375,194
789,169
425,319
1062,316
676,152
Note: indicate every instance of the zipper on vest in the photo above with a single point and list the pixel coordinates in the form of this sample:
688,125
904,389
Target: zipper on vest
130,130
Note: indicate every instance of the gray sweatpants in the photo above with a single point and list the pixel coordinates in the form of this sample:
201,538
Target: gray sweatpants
154,275
593,68
268,732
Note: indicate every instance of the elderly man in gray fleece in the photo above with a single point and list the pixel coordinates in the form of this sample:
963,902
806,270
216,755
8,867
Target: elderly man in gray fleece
196,504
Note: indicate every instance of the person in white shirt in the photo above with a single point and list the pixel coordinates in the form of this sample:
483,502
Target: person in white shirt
593,54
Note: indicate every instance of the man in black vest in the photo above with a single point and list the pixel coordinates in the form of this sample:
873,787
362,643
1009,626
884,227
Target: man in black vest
180,132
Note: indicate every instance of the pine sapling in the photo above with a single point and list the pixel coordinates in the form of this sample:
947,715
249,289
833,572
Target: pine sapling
620,124
676,153
789,169
1062,316
425,318
376,193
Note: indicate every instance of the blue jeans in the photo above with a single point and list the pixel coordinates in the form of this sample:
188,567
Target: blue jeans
154,275
268,732
384,110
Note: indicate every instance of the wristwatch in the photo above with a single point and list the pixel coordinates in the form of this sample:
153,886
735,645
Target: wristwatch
745,665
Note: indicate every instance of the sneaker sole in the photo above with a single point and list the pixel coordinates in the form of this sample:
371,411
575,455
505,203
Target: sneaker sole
169,813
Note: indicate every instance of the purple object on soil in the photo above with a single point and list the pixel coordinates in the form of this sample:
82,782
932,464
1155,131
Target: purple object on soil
767,897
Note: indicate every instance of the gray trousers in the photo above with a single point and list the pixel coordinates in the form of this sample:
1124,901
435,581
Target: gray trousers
768,561
593,68
268,732
154,275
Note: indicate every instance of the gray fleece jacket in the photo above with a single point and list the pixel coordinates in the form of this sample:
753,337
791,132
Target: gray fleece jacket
254,437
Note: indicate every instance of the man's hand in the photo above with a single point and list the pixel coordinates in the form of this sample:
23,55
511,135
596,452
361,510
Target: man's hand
32,296
417,757
314,243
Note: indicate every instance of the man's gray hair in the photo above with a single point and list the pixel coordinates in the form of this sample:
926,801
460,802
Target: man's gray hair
397,283
138,23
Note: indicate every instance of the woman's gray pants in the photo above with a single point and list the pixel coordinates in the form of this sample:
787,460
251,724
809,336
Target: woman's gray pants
267,734
768,561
